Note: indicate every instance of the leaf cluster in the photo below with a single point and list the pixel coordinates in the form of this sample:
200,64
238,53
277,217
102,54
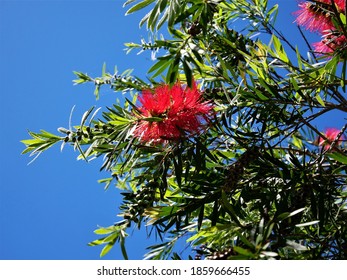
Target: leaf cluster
255,184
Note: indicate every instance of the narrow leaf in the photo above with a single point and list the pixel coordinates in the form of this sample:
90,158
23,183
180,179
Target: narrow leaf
307,224
339,157
139,6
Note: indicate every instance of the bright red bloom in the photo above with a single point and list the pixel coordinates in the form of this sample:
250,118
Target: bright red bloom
317,16
330,42
313,18
330,134
169,113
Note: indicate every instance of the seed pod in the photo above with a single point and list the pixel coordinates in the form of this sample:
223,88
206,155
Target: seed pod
221,255
197,257
147,197
237,168
132,211
194,29
127,216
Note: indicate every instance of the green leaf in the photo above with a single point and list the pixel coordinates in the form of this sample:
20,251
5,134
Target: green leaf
286,215
172,73
243,251
269,254
245,241
339,157
307,224
201,216
160,66
320,100
31,142
178,169
152,119
107,230
188,72
162,19
296,246
173,12
280,50
83,78
40,142
85,116
139,6
153,17
297,142
119,121
122,246
103,70
97,242
128,2
106,249
112,238
46,134
96,91
206,150
230,209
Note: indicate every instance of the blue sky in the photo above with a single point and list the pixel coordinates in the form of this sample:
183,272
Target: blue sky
49,209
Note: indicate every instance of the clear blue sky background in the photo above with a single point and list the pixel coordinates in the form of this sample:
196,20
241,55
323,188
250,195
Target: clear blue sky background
49,209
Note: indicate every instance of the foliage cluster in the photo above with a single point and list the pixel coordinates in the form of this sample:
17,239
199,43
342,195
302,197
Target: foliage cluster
256,184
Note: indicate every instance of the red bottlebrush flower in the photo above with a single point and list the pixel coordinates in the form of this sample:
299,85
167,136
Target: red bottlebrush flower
317,16
168,113
330,134
313,18
330,43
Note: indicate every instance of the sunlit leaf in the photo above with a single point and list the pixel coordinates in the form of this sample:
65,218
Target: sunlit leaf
138,6
307,224
339,157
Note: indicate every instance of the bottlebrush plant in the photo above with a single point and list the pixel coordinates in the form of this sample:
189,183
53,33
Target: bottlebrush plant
221,147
